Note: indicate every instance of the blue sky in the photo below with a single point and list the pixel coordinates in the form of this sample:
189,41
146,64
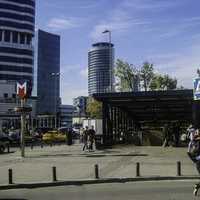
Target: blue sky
164,32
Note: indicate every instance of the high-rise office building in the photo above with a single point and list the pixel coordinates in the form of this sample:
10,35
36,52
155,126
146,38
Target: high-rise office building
100,68
48,72
80,104
66,115
17,26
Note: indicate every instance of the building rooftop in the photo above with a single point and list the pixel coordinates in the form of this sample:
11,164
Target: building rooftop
102,44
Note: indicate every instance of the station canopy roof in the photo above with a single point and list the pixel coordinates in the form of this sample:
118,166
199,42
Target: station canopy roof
152,105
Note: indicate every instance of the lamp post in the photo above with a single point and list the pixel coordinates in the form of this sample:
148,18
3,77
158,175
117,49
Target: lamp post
55,75
110,59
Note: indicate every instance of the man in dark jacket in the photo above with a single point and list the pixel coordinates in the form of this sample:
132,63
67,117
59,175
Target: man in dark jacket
166,135
85,138
91,137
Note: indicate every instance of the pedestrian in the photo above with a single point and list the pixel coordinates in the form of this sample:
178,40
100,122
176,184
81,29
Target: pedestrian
176,132
81,135
85,138
191,136
166,135
69,136
91,137
194,153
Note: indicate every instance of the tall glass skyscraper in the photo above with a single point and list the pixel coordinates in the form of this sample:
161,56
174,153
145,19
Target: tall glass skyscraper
17,26
48,72
100,68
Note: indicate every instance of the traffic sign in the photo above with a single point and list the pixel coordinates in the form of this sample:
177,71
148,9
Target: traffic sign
197,89
22,89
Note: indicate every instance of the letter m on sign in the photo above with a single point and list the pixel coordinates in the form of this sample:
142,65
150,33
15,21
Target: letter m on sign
22,90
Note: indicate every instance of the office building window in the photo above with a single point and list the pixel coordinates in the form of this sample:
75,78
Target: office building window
0,35
7,36
14,96
15,37
22,38
5,95
28,39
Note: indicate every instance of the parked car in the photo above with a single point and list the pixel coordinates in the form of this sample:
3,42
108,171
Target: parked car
5,140
54,136
15,136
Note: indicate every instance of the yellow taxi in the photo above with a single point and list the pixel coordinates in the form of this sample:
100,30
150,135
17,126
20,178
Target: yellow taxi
54,136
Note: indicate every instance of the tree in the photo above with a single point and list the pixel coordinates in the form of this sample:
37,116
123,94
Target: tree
127,75
169,83
165,82
147,74
94,108
157,83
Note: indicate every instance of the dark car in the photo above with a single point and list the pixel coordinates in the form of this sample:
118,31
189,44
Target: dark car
5,140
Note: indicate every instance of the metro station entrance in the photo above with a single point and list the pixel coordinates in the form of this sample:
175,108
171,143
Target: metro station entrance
123,113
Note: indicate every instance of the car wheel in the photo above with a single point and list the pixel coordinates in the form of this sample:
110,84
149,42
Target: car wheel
2,149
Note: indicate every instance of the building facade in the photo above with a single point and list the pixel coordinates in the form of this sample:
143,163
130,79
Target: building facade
100,68
66,115
9,101
80,104
17,26
48,72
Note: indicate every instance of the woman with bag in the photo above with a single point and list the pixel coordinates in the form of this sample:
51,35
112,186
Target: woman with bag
194,153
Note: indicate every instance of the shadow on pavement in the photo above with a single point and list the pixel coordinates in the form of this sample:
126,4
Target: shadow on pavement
117,155
12,199
86,155
4,153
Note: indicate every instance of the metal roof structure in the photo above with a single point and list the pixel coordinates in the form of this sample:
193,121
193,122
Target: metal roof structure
124,113
152,105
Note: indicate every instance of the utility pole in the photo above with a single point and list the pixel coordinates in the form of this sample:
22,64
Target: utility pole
56,75
110,60
22,92
23,120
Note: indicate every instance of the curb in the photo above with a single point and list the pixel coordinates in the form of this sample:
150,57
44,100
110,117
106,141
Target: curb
94,181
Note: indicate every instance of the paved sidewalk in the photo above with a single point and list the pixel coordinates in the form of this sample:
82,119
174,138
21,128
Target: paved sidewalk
73,164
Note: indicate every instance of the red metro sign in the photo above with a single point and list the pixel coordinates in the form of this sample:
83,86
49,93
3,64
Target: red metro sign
22,90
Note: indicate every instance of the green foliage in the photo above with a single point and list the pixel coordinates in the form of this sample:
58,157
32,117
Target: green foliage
94,109
165,82
127,75
147,74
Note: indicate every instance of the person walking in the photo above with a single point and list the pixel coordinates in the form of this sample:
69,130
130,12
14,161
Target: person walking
176,133
194,153
191,136
166,135
91,138
85,138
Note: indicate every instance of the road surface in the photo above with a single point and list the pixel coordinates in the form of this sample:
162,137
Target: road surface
165,190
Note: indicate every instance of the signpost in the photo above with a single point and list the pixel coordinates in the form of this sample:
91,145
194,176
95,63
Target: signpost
197,89
22,92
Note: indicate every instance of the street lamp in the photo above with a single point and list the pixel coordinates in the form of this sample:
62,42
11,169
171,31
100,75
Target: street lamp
55,75
110,59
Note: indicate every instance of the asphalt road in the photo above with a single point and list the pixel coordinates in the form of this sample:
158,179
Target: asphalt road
165,190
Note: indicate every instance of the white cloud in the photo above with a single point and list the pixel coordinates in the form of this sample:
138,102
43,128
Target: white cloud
73,82
183,66
69,95
120,21
64,23
67,68
84,73
150,5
